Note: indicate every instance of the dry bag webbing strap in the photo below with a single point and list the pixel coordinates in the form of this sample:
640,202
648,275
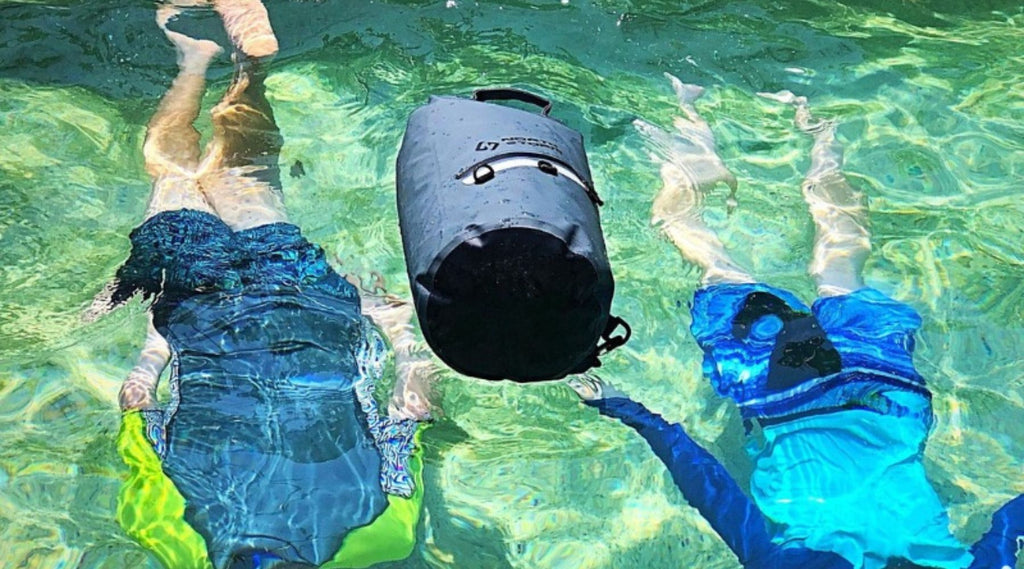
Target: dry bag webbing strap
609,341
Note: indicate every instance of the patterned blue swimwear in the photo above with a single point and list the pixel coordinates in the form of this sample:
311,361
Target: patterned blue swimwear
272,435
843,415
838,481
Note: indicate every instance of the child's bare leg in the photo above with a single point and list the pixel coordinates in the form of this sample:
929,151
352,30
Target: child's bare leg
678,207
240,175
698,142
248,26
841,238
171,149
690,166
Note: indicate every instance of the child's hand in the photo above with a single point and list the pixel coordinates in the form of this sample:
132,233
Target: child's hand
590,387
413,389
138,391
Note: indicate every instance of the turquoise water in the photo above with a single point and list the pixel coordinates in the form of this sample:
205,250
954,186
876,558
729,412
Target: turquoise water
930,97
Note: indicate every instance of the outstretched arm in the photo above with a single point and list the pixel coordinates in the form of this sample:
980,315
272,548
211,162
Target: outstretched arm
705,483
139,389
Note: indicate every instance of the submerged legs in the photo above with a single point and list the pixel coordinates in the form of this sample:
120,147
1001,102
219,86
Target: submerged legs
689,167
841,238
238,178
240,175
171,149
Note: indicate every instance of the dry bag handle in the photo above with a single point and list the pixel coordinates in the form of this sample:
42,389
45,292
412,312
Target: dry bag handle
484,95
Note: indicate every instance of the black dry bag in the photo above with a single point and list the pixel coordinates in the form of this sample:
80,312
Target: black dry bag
502,239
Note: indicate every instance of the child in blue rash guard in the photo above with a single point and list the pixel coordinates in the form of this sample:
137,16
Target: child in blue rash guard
272,436
838,480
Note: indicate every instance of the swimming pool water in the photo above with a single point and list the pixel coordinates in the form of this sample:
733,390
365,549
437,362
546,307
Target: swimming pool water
930,98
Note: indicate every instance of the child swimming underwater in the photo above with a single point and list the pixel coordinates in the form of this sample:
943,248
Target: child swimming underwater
271,447
838,479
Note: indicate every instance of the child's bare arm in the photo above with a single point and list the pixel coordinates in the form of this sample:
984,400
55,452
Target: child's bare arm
139,389
415,369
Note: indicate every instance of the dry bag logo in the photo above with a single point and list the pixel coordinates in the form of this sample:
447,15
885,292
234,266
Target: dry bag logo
492,145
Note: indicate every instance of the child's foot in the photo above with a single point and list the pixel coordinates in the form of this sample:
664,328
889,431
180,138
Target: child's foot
826,153
248,25
687,93
231,102
803,118
194,55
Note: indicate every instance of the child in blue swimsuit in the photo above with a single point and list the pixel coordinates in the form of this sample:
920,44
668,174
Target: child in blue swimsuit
843,415
272,440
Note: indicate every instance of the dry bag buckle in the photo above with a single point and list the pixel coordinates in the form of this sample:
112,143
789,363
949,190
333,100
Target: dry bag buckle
483,174
611,342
